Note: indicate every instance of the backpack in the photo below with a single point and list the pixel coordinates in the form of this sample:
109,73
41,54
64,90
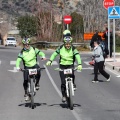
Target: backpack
104,48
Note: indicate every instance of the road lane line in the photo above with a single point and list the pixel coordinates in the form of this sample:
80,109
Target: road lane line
0,62
59,93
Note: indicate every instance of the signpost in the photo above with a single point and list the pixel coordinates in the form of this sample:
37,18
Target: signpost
67,20
113,13
108,3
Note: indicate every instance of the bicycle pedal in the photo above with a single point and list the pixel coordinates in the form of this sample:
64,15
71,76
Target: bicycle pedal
75,89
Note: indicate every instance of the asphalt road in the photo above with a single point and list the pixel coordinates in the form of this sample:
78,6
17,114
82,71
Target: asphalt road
92,101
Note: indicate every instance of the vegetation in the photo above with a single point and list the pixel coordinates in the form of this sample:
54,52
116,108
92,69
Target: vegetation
77,27
27,25
117,41
46,29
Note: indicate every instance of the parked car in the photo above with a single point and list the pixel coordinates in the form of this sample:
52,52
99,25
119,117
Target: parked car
11,41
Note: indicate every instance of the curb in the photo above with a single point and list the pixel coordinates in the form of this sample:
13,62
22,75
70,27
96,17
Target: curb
112,67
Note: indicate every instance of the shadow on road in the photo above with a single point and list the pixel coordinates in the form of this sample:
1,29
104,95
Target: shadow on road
29,104
64,105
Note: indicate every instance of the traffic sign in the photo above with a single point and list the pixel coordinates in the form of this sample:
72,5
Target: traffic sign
67,19
108,3
114,12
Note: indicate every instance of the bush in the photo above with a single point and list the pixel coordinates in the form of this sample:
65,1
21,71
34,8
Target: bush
117,40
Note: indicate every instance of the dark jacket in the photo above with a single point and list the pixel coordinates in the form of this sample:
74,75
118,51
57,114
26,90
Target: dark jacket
95,37
105,36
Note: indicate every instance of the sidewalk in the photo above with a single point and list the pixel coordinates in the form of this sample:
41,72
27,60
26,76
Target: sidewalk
113,64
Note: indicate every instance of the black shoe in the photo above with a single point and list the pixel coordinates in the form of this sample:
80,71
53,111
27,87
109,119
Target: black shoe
108,80
63,99
27,98
37,87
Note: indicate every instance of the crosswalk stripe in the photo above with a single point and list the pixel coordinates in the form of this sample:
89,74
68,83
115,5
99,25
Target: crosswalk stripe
54,63
75,63
0,62
12,62
87,63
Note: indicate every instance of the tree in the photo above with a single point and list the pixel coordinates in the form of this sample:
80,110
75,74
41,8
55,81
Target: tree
27,25
77,27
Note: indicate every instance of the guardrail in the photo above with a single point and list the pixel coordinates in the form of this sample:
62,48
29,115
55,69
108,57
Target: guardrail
47,44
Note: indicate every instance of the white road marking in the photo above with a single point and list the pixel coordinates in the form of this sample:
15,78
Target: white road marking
118,76
76,115
0,62
14,70
75,63
12,62
86,62
54,63
88,68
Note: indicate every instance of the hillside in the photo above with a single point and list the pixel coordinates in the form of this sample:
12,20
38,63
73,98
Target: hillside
95,16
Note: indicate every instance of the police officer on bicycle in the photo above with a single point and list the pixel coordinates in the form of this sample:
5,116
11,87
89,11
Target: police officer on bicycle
68,53
29,57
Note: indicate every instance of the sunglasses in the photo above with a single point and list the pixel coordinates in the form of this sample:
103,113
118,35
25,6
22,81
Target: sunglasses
26,44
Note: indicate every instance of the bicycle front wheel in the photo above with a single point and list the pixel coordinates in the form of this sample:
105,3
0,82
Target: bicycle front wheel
32,93
70,100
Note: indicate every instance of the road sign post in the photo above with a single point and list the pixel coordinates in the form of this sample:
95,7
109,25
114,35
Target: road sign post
67,20
106,5
113,13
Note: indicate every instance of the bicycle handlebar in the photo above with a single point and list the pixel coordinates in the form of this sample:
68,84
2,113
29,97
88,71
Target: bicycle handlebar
59,69
31,68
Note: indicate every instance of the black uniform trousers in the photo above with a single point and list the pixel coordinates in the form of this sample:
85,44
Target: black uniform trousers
100,66
62,76
25,76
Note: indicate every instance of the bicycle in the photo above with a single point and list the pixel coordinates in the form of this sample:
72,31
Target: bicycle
69,93
31,90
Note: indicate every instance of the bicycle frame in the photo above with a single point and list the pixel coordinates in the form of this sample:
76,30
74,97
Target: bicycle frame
31,83
69,86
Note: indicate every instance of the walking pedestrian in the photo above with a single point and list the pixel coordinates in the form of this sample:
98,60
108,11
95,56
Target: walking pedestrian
99,63
105,36
95,37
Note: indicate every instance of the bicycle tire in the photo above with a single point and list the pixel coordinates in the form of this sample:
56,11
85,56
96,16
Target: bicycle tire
70,96
32,93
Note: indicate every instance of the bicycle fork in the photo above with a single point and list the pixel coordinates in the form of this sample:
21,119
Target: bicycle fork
29,88
69,80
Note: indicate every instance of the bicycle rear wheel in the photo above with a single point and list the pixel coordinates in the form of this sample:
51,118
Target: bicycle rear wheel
70,99
32,93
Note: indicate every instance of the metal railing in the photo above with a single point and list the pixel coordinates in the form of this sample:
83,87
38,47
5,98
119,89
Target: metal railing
47,44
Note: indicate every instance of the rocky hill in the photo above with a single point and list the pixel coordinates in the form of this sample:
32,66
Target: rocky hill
95,16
